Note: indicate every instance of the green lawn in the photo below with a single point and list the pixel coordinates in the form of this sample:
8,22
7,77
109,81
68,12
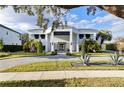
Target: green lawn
93,54
79,82
58,66
78,54
20,54
27,54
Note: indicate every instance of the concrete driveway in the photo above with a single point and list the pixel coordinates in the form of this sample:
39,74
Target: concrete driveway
7,63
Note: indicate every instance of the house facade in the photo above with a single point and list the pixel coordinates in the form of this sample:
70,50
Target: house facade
10,36
62,39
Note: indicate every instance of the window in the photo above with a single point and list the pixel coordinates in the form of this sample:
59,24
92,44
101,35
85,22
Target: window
36,36
81,36
61,33
42,36
6,33
87,36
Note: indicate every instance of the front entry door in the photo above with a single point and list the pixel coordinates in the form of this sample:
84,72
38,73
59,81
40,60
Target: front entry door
62,47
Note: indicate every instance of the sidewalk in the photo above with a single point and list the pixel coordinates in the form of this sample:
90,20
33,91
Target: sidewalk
44,75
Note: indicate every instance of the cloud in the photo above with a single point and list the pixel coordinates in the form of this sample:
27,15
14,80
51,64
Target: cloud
71,17
81,24
23,26
105,18
117,26
20,22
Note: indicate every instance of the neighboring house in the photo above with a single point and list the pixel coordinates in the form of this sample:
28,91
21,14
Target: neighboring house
119,44
10,36
62,39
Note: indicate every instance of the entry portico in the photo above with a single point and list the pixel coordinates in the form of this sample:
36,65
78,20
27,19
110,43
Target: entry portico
62,39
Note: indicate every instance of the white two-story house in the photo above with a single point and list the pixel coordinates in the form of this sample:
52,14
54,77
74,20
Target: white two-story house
10,36
62,39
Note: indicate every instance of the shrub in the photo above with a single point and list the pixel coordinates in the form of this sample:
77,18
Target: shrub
90,45
12,48
111,47
33,46
54,53
4,54
1,45
37,45
85,59
68,53
116,59
26,46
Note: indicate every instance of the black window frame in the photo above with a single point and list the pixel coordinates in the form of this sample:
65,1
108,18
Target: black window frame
7,33
62,33
88,36
42,36
81,36
36,36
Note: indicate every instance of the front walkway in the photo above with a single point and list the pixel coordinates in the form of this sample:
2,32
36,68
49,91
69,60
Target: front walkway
45,75
8,63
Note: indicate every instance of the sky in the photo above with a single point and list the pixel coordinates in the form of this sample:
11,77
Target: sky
76,17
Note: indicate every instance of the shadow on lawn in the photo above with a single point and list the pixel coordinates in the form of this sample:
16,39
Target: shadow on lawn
33,83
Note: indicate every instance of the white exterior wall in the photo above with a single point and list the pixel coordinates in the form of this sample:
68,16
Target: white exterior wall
53,40
12,38
31,37
61,38
74,41
92,33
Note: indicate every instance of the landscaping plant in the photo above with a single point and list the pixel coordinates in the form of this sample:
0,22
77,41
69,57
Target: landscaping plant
33,46
1,45
103,35
116,59
90,45
85,59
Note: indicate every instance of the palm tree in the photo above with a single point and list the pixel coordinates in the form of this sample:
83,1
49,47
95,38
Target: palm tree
104,35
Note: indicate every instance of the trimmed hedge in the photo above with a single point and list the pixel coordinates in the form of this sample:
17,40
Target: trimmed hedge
12,48
68,53
111,47
2,54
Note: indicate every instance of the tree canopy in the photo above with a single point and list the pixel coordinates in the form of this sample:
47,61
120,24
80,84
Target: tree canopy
54,14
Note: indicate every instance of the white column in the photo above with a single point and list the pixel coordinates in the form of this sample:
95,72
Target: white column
30,37
84,36
52,41
77,43
71,36
94,36
46,43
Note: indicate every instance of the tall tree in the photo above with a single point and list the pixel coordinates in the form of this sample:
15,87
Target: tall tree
103,35
25,38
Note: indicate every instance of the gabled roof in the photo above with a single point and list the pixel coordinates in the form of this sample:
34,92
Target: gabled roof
9,29
36,31
66,27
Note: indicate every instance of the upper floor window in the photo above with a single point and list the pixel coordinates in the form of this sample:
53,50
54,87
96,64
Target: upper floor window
6,33
81,36
87,36
42,36
36,36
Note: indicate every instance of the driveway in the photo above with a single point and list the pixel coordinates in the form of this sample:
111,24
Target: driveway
7,63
